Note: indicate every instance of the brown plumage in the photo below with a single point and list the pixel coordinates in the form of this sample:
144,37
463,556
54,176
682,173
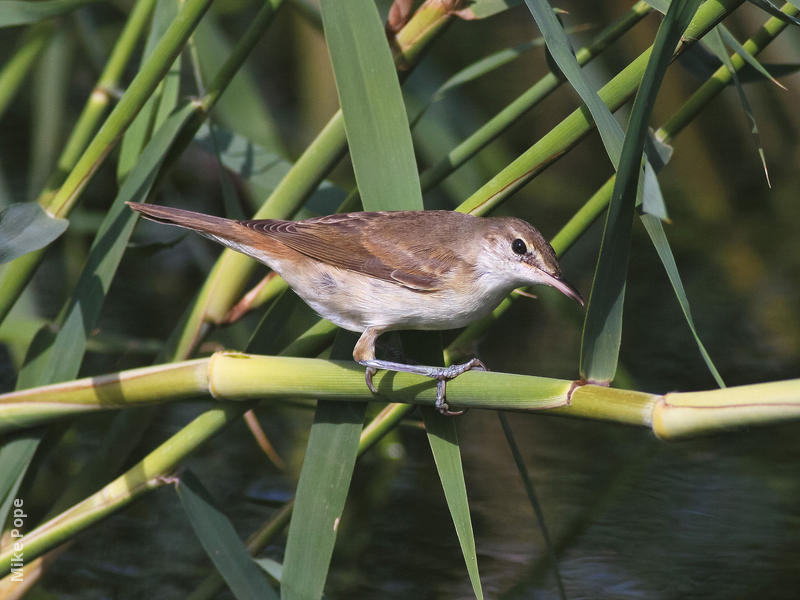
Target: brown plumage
371,272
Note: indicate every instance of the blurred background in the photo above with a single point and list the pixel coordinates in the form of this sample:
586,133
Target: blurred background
631,517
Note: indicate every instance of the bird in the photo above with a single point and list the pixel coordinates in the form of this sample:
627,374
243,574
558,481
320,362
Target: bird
373,272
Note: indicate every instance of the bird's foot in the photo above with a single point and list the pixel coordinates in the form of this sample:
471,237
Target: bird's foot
444,375
441,374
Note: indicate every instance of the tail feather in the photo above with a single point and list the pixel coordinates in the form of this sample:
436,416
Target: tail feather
185,218
228,232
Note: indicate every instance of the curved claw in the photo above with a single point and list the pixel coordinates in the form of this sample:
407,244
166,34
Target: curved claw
441,404
477,364
368,373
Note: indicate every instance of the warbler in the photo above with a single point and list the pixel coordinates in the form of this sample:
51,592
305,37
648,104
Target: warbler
372,272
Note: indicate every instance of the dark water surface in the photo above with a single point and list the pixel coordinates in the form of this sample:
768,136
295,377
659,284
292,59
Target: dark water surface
631,517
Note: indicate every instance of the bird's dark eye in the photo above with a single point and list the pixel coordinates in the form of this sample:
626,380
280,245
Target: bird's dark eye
518,246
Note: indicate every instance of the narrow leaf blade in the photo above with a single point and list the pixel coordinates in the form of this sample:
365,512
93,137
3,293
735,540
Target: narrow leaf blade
607,126
561,51
602,329
443,440
61,360
321,493
655,230
482,9
221,542
57,357
773,9
715,40
25,227
372,104
751,60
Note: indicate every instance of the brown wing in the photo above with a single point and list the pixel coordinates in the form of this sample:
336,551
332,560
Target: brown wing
412,249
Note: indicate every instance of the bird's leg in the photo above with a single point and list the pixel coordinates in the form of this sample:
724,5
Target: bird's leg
364,354
364,351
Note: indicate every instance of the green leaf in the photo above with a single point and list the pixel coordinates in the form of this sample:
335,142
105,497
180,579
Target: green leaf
775,11
25,227
482,9
655,230
61,360
272,567
602,328
609,128
751,60
660,5
443,439
322,491
221,542
23,13
748,74
16,454
716,42
57,357
375,117
485,65
649,193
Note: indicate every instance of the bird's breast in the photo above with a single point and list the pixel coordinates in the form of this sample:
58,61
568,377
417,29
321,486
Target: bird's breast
355,301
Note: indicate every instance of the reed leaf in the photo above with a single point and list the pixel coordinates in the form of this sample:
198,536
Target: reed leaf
527,100
106,138
715,40
25,227
328,465
603,325
221,542
775,10
443,440
655,230
57,357
372,105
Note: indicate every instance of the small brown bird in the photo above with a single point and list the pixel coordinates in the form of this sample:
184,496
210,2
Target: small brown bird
372,272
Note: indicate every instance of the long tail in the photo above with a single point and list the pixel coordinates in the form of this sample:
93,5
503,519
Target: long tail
228,232
184,218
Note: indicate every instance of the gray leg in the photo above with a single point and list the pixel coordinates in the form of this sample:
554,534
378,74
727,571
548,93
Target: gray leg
442,374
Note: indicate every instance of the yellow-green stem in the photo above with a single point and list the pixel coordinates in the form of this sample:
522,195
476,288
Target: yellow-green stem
233,376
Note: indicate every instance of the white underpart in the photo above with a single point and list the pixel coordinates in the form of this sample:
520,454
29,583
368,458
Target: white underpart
355,301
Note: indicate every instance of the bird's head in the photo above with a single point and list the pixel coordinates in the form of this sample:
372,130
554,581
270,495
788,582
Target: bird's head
513,253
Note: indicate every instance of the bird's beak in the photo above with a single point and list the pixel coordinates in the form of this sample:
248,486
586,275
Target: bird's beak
562,286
